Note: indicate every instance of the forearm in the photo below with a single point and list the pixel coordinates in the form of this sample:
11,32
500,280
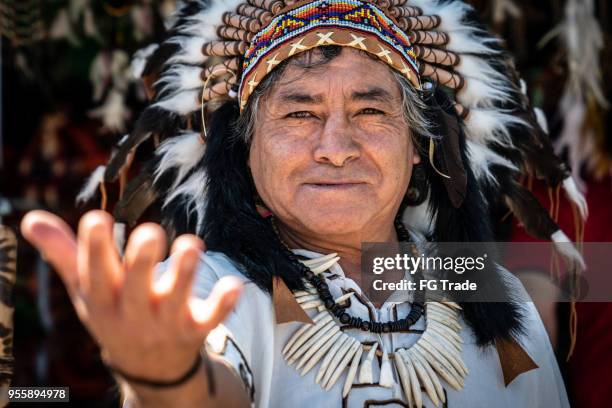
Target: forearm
228,391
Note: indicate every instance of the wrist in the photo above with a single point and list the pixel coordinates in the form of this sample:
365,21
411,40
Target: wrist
190,393
194,384
158,383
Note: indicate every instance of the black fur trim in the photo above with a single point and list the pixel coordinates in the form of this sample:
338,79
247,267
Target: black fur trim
232,224
469,223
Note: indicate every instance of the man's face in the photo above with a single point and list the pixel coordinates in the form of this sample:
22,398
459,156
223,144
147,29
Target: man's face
332,152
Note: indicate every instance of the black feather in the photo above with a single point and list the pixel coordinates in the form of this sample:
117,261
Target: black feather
153,120
156,61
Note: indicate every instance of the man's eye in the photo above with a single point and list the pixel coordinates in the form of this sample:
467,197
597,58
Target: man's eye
371,111
300,115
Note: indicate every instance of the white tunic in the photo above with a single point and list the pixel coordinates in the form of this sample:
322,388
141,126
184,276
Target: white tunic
252,342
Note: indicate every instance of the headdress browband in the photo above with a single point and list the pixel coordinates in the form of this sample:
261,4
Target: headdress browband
350,23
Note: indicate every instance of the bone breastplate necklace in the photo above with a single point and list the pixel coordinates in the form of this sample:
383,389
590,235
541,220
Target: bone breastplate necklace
435,358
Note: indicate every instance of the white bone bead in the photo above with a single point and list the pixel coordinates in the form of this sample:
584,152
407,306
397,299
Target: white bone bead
344,297
451,355
432,375
443,336
365,373
402,370
320,352
440,368
307,298
301,330
437,356
440,327
312,304
311,341
414,381
423,376
386,372
309,333
352,372
324,266
330,355
337,360
355,348
321,259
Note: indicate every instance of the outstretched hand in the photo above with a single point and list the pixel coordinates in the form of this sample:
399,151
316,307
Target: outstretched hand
145,328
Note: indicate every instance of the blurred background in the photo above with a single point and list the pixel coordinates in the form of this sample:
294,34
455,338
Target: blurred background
69,93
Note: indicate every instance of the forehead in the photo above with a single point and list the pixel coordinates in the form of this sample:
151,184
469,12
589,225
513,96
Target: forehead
349,71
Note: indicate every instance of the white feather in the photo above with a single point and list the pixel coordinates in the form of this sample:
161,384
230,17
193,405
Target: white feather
451,13
190,50
113,112
419,218
199,24
199,29
182,152
467,41
578,144
575,196
91,186
583,40
179,78
181,103
171,11
474,66
483,92
123,139
484,84
193,189
491,126
463,37
568,251
541,118
523,86
482,158
139,60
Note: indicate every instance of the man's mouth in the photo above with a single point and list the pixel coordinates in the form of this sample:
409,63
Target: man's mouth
335,184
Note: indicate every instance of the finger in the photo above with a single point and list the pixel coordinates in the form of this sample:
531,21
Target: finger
56,242
174,288
146,247
209,313
98,261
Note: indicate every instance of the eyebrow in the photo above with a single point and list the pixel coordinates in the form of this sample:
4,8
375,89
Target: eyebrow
374,93
300,97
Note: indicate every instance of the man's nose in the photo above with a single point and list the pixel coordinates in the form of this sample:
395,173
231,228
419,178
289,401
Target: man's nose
336,144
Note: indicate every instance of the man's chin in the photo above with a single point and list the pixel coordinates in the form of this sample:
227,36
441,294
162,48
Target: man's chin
336,221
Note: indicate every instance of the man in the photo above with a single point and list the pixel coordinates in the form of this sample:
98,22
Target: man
322,152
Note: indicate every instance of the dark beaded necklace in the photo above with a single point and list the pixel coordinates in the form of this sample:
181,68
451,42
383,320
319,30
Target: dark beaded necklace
319,283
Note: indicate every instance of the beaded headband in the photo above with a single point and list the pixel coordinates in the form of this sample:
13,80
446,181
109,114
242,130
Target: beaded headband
350,23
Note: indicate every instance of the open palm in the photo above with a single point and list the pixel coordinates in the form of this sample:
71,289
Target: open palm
146,328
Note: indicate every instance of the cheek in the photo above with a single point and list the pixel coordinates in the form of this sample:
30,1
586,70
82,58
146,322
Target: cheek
391,151
274,161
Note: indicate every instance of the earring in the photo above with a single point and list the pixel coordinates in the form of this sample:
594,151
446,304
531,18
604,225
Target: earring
417,188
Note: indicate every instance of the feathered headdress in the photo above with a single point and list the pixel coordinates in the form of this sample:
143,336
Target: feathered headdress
221,49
